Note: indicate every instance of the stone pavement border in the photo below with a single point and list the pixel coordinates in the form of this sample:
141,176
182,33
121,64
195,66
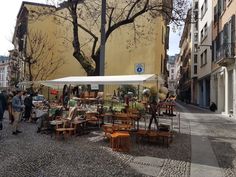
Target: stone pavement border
203,160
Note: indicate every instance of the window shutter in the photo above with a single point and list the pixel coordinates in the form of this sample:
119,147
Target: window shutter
233,35
225,41
225,34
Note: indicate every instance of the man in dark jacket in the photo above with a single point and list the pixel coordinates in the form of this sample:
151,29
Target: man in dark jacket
3,105
28,102
153,111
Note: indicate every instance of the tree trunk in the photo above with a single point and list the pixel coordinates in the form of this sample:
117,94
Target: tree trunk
89,69
96,59
30,72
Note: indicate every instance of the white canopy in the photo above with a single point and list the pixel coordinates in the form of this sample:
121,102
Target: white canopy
100,80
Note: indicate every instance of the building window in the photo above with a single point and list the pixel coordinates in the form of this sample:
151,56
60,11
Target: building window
195,58
204,8
196,25
201,59
195,48
172,70
195,15
195,69
214,45
195,37
221,6
204,58
202,11
204,32
202,35
227,39
196,6
216,16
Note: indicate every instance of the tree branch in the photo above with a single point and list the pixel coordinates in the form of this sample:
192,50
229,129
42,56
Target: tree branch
127,21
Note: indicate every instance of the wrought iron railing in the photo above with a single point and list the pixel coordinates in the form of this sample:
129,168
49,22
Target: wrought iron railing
225,51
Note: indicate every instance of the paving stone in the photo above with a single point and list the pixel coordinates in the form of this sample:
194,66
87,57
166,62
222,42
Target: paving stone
39,155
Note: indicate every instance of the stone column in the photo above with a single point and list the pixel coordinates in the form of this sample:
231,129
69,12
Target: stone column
204,103
226,91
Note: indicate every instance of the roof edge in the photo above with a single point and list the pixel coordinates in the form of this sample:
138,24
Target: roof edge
33,3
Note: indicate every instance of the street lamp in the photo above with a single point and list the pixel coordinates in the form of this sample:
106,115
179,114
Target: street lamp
103,41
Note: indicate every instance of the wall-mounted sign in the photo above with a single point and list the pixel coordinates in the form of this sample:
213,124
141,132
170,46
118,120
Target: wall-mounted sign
54,92
139,68
94,87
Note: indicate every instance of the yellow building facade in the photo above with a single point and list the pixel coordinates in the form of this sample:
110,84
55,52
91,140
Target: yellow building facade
122,55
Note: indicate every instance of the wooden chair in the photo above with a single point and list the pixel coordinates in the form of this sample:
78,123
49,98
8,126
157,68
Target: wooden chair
67,128
92,118
60,129
125,121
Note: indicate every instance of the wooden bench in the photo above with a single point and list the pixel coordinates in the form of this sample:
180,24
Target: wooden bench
149,134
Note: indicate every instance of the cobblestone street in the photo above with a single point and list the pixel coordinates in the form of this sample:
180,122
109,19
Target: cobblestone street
32,154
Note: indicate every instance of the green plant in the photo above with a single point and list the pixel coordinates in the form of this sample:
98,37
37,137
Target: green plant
153,94
140,107
125,89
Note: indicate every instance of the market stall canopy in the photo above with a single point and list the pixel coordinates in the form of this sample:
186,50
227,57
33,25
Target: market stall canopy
102,80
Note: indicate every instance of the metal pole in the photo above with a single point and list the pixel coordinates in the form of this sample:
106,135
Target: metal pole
103,41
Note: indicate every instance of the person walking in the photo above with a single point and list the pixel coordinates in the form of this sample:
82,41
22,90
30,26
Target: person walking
153,111
28,102
17,107
9,108
3,104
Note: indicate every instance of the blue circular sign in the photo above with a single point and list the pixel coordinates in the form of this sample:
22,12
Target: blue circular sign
139,68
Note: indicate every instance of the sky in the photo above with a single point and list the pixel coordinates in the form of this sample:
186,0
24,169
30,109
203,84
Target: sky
174,43
9,10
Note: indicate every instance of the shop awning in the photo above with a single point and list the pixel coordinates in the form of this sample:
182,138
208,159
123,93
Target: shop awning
102,80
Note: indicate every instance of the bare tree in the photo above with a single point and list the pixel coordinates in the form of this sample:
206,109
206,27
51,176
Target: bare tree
40,59
85,15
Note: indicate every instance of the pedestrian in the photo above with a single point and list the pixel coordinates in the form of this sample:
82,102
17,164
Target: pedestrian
9,108
28,102
17,107
3,105
153,111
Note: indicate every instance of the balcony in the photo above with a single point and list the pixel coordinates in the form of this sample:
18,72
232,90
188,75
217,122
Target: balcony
226,54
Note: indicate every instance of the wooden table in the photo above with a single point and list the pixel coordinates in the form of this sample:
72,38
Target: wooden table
79,124
109,117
